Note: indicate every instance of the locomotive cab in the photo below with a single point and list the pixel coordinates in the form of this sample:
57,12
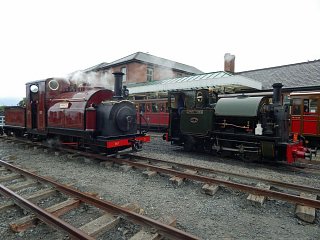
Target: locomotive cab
191,117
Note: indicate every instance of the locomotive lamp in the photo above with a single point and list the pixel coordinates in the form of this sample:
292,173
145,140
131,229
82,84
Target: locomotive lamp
34,88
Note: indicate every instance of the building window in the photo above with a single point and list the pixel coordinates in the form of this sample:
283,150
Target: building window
149,74
124,71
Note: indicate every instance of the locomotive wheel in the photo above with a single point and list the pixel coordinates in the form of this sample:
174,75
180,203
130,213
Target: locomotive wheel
189,143
207,146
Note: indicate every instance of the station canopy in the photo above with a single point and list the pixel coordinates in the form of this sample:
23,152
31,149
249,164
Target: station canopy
221,82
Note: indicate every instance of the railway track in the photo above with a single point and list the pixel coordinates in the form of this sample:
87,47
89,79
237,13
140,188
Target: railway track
259,189
110,213
301,165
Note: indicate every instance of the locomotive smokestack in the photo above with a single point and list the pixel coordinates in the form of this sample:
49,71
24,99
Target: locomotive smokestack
118,85
276,99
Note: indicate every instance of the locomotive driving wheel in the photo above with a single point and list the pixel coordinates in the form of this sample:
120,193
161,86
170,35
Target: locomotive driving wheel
189,143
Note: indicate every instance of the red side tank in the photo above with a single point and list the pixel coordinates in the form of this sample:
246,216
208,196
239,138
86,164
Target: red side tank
75,110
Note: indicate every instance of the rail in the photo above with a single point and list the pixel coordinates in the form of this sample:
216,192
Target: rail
163,229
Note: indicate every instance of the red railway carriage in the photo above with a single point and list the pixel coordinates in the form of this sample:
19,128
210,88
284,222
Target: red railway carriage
84,116
305,117
153,113
16,118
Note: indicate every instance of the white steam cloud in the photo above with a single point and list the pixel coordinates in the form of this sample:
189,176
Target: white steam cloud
92,79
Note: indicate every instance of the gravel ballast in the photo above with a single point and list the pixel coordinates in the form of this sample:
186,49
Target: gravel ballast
226,215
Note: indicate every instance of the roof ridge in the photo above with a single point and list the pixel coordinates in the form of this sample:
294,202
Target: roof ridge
286,65
167,59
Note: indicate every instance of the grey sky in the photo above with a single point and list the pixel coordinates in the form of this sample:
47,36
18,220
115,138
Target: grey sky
41,39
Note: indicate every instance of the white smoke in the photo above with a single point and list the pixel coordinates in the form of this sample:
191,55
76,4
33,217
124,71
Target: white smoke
92,79
228,57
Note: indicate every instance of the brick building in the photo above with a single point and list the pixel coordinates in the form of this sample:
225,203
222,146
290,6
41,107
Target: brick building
142,67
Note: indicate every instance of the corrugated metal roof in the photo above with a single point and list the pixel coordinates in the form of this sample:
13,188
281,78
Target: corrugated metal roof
148,58
222,81
293,75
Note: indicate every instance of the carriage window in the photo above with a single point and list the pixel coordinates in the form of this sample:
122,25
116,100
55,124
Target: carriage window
296,107
148,108
162,108
142,107
313,106
306,105
154,107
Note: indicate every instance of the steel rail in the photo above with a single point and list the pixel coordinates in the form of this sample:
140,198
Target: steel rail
45,216
237,186
212,170
273,182
163,229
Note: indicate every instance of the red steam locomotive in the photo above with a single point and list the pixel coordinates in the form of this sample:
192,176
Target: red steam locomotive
84,116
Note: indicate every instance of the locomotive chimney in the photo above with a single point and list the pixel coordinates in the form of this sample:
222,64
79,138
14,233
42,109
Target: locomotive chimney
118,85
229,62
276,99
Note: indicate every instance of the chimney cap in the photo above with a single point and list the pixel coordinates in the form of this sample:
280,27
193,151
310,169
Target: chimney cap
277,85
229,57
118,73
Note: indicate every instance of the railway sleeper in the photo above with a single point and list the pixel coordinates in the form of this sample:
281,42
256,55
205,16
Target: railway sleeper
107,221
2,169
152,173
59,209
149,173
258,198
41,194
179,180
211,189
305,213
10,177
21,185
147,235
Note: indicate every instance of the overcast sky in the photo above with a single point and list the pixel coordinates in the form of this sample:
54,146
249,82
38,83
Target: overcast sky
41,39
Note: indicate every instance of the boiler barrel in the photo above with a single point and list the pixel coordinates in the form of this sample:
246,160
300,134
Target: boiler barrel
238,107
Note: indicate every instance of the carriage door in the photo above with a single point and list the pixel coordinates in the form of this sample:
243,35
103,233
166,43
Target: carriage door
310,117
34,99
296,116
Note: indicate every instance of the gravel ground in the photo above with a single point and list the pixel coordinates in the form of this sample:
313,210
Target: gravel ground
227,215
